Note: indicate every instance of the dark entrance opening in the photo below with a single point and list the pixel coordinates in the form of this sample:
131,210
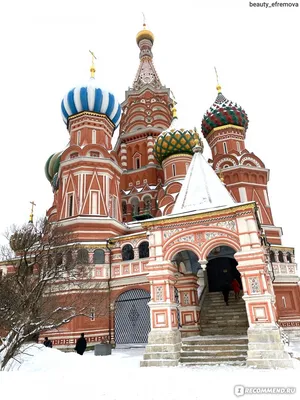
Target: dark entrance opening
221,268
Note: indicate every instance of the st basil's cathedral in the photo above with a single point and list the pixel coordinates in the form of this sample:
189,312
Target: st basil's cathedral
163,229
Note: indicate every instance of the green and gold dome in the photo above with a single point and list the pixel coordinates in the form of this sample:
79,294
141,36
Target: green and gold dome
51,169
175,140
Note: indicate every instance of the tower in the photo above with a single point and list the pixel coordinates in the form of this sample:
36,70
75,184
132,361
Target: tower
224,126
86,176
146,113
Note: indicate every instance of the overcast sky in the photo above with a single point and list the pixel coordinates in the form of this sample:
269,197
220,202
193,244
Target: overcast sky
45,52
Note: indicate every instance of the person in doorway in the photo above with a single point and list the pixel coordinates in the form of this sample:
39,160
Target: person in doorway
236,288
225,290
80,345
47,342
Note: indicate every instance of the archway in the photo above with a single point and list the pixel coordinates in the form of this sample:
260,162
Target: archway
186,262
221,268
132,317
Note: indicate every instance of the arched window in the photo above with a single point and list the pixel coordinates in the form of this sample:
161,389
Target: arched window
280,256
272,256
147,203
82,256
144,250
99,256
289,257
124,207
127,252
59,259
135,206
69,257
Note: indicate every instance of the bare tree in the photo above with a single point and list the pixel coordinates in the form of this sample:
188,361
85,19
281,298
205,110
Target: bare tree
45,286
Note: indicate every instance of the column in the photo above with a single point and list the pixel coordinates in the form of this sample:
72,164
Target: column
150,145
189,307
265,346
164,340
123,156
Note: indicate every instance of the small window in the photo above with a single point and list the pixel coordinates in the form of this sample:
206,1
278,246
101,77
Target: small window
70,205
73,155
225,148
59,259
83,256
238,146
99,256
289,257
137,163
272,256
78,138
94,154
144,250
127,252
174,169
92,314
215,150
124,207
280,256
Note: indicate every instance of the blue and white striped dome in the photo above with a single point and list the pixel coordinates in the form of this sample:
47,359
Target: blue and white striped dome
91,98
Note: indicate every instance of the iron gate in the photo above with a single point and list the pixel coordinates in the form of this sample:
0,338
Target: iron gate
132,317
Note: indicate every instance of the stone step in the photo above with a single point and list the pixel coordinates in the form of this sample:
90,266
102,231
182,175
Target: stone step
215,360
214,353
212,363
215,339
222,331
208,347
224,324
236,320
224,306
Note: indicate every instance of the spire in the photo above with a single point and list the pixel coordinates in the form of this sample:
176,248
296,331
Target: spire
218,87
31,214
93,69
201,188
146,74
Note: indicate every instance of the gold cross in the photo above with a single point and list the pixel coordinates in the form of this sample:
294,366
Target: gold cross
31,214
93,69
218,85
32,205
93,56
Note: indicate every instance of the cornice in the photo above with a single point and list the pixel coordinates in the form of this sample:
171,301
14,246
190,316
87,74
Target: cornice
199,216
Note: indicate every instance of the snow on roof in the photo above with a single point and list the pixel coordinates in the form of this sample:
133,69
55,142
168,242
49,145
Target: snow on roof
201,188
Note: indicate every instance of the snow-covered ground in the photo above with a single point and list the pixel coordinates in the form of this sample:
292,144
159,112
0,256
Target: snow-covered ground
51,374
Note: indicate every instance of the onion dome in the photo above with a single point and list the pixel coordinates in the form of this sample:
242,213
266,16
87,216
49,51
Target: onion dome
223,112
144,34
51,169
174,141
91,98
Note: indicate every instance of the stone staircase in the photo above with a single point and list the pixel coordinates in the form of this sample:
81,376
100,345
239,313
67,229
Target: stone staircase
214,350
218,319
223,334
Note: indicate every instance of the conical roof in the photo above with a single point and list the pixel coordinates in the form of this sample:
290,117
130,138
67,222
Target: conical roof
202,188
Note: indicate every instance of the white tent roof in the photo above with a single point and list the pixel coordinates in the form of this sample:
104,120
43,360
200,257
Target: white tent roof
201,188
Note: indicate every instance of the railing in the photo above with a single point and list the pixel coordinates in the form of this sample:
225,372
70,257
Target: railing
202,296
285,268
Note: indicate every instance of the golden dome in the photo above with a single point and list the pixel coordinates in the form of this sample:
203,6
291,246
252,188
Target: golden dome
144,34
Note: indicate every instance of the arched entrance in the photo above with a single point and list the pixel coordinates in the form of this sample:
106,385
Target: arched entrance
221,268
186,292
186,262
132,317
